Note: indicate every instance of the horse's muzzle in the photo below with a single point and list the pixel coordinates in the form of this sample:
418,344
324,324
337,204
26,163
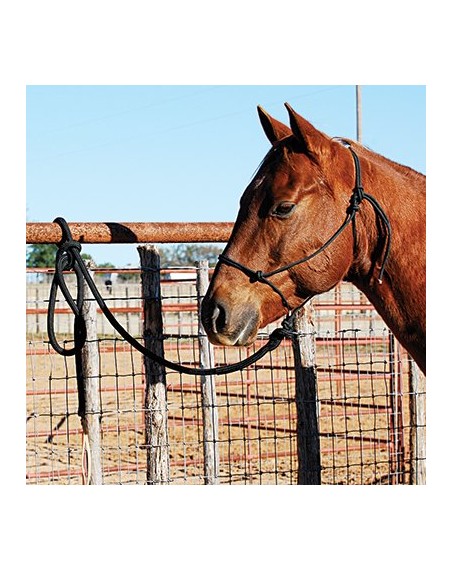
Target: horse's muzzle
229,325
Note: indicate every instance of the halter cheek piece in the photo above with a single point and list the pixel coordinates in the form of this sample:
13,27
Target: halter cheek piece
356,199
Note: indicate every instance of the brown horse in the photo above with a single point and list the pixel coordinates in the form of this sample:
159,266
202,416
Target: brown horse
319,211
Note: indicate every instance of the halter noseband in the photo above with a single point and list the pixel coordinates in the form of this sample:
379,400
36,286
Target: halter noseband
356,199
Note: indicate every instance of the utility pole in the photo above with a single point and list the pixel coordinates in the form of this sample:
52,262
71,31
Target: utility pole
358,114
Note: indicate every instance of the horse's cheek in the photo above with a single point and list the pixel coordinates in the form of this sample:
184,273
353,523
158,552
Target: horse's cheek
321,273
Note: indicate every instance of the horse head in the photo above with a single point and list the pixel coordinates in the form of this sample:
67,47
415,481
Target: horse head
296,201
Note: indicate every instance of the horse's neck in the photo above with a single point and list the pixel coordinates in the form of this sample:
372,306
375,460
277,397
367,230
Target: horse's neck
400,298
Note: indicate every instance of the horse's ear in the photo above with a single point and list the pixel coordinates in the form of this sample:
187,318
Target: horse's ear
313,140
274,129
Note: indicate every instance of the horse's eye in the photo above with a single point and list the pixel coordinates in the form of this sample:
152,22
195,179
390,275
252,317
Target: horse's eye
283,210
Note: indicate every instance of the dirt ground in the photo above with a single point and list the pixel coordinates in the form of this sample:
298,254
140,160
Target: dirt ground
364,431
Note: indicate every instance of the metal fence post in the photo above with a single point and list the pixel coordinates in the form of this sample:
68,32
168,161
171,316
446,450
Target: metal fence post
90,370
208,392
156,412
308,437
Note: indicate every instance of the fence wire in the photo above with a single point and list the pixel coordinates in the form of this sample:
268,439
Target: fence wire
367,423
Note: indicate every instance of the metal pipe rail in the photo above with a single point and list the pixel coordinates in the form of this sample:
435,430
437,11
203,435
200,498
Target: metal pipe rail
131,232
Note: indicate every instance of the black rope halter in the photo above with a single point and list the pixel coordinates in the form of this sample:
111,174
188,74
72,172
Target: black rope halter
357,197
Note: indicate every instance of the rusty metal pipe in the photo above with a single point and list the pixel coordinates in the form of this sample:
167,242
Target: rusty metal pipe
131,232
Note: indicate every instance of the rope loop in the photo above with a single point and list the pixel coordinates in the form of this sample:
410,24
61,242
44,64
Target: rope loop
66,258
70,245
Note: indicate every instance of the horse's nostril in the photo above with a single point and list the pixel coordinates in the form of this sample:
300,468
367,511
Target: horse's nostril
228,324
218,318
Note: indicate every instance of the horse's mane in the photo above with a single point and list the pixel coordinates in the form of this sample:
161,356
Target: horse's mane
281,148
374,156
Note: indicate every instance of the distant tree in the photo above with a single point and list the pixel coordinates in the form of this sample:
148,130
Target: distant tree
41,255
106,265
188,254
88,258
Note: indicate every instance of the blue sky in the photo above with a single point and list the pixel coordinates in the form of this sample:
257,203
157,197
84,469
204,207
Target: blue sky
185,153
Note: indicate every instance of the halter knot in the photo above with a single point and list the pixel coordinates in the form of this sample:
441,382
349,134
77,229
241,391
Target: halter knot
287,328
66,256
71,245
257,276
356,198
359,193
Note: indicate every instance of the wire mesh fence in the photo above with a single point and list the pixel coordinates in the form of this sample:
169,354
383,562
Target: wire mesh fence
368,398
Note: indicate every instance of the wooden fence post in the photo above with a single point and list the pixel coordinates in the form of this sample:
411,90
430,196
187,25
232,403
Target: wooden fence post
417,426
308,437
397,448
156,413
90,371
208,391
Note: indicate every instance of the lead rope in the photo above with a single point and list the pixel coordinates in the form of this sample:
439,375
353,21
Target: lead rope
69,258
